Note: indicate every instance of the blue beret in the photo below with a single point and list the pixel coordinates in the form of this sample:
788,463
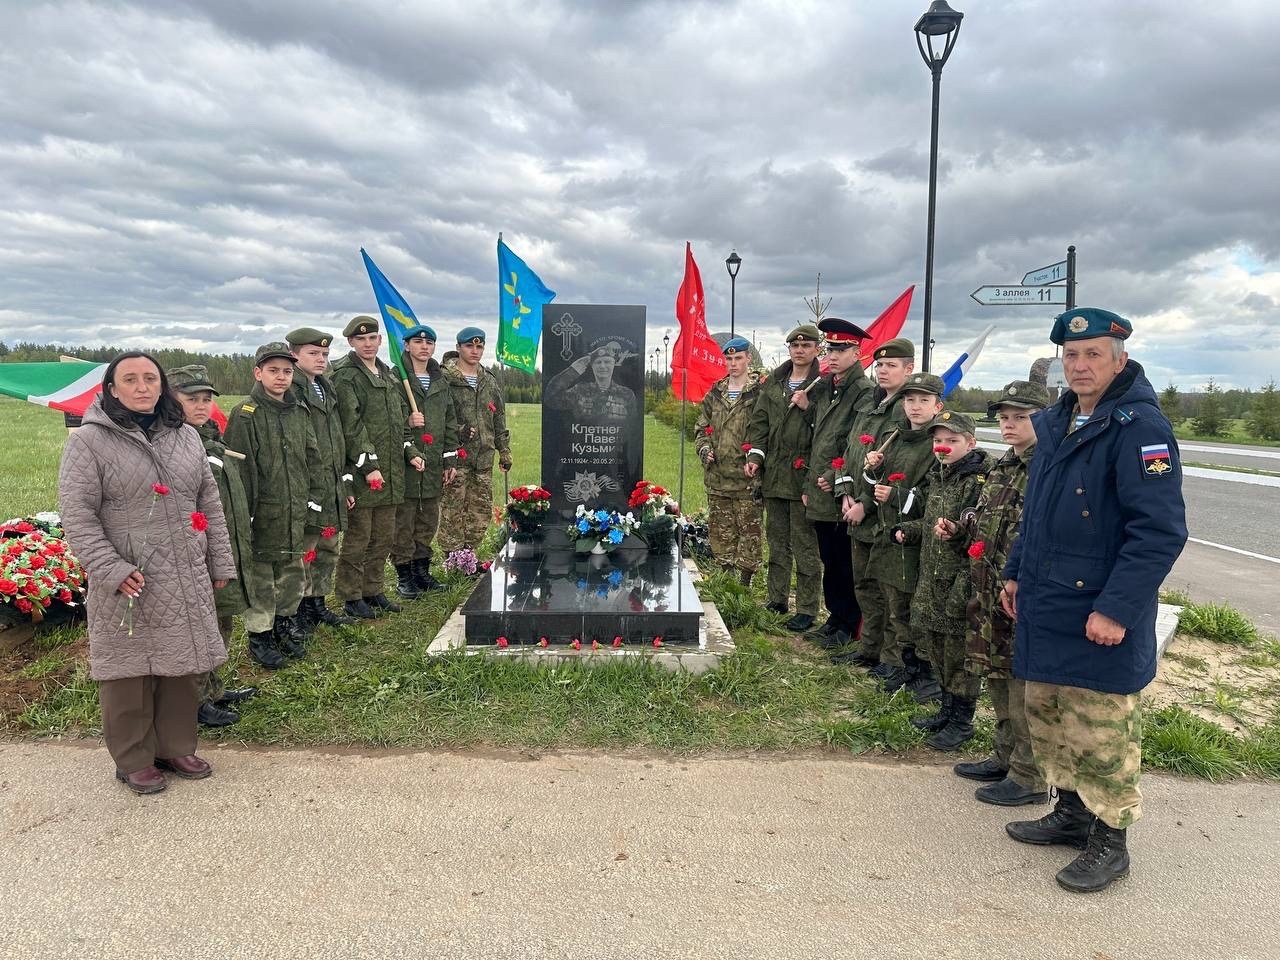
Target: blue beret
467,334
420,330
736,345
1085,323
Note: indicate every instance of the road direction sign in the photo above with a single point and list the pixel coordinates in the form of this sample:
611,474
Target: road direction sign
1053,273
1003,296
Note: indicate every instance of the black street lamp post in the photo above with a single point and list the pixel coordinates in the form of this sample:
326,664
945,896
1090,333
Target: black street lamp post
938,21
666,365
732,263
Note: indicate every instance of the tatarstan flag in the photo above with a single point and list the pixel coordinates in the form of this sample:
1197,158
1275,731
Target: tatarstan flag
69,386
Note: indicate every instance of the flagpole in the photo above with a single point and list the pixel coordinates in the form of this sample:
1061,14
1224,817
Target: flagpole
502,386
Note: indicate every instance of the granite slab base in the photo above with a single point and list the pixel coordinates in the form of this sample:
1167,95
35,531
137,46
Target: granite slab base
701,652
1166,626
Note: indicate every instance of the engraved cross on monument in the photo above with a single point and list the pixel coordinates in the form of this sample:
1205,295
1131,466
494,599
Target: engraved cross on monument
566,328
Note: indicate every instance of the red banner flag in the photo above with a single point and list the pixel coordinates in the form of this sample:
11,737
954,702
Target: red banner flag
887,326
696,362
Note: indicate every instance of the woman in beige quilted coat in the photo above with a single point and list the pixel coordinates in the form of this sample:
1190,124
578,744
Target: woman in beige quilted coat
141,511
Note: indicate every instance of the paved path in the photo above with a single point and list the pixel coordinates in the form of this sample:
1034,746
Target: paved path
311,855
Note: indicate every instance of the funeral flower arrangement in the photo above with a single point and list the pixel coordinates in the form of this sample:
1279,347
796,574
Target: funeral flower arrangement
525,510
599,531
659,514
38,574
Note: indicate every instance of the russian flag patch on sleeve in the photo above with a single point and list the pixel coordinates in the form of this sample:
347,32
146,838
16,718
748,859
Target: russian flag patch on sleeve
1155,460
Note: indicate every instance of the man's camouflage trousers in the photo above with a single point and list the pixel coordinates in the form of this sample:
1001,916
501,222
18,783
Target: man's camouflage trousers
466,509
792,541
416,524
735,531
274,591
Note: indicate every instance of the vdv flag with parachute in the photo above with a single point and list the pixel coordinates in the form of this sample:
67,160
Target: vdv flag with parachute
521,295
397,315
953,374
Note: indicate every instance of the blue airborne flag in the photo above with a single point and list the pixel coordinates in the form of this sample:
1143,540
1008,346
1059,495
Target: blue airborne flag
520,298
397,315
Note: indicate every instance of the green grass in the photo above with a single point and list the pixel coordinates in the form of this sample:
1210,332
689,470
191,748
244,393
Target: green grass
1220,623
1234,432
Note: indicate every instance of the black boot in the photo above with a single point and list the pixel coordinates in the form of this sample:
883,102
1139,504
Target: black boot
306,615
837,639
262,649
236,695
984,771
800,622
405,585
1105,858
359,610
323,615
924,685
894,679
959,728
212,715
288,638
776,606
379,601
935,721
1068,823
422,575
1009,793
744,577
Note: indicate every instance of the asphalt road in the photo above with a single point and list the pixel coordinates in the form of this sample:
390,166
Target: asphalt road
1199,451
293,854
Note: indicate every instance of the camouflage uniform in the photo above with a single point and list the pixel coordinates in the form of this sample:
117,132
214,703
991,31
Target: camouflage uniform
467,509
942,591
989,638
284,487
326,420
375,424
418,518
780,435
878,416
734,513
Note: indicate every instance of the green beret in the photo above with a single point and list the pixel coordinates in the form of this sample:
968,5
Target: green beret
1022,394
191,379
359,326
806,331
309,336
929,383
954,420
897,349
268,351
1085,323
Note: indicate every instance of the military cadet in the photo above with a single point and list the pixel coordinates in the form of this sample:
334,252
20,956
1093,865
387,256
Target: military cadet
720,438
284,487
879,415
435,422
1010,773
375,422
467,508
899,472
780,434
195,392
835,402
949,490
1102,524
316,394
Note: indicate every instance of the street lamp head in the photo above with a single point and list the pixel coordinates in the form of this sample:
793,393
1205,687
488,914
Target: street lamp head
732,263
938,21
666,339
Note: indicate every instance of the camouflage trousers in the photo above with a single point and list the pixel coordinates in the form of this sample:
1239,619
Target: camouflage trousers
1089,742
1012,741
416,525
870,596
317,576
362,563
735,531
897,625
466,509
792,542
211,686
276,591
945,649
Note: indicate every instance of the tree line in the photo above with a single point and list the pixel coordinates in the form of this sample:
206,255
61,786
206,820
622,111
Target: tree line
1210,411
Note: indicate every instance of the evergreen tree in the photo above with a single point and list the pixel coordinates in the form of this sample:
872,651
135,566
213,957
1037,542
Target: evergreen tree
1171,404
1264,418
1212,420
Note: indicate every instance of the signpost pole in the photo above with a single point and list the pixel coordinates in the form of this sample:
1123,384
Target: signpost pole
1071,276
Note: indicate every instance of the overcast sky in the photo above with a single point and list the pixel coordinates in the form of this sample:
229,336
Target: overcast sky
204,174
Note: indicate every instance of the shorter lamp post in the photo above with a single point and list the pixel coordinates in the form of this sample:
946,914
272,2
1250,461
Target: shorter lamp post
733,263
666,363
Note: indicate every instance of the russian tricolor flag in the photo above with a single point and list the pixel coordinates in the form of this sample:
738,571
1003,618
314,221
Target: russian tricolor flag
951,378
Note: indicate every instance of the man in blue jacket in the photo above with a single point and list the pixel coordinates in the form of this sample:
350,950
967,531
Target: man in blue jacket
1102,524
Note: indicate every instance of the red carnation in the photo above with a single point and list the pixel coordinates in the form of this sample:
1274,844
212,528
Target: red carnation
595,644
708,430
328,532
617,641
64,595
31,588
657,641
576,643
493,408
45,601
23,604
37,562
55,547
8,587
798,463
977,550
542,641
199,522
897,477
502,643
837,463
309,556
941,450
375,484
462,454
746,447
486,565
159,489
23,526
428,439
866,439
59,574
